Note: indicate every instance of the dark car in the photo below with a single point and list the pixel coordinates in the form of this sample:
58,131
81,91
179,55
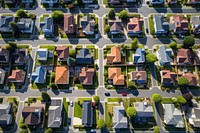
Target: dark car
107,94
147,31
124,94
69,121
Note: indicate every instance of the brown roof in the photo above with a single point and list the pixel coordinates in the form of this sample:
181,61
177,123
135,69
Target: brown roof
86,76
69,24
62,76
116,76
135,25
63,52
181,24
139,75
168,76
183,56
115,25
17,76
191,77
115,55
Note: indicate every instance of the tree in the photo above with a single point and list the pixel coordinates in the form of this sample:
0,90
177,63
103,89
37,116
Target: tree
131,112
53,75
134,44
96,99
45,96
111,13
181,99
131,85
157,98
107,28
156,129
57,16
49,130
188,42
151,58
123,14
174,99
101,123
72,53
71,61
182,81
21,13
173,45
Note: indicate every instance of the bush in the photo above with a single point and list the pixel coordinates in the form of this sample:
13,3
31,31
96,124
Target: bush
157,97
173,45
23,126
151,58
53,75
181,100
49,130
131,112
131,85
45,96
21,13
111,13
188,42
96,99
156,129
174,99
182,81
123,14
57,16
134,44
101,123
72,53
107,29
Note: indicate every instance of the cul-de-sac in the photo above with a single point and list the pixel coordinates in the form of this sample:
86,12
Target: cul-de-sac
100,66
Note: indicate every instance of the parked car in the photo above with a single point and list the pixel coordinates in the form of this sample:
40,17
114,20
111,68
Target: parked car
93,130
29,76
147,31
124,94
71,103
69,121
107,94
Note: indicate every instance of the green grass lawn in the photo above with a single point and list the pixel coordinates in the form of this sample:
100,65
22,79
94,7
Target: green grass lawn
108,117
129,54
113,100
131,68
65,109
19,46
77,110
49,47
151,25
43,16
166,100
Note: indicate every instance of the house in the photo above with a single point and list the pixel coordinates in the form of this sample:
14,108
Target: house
2,76
84,57
139,56
50,2
144,111
62,52
86,76
20,56
87,113
160,25
9,1
25,25
115,26
87,1
87,24
42,54
134,27
191,78
168,78
47,27
39,76
184,57
114,74
172,2
195,22
69,24
173,116
55,113
115,55
32,115
140,77
5,23
164,55
120,121
5,115
112,2
4,55
17,76
181,24
193,2
62,75
156,2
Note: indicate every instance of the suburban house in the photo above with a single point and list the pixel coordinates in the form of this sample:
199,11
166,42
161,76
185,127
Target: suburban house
55,113
139,77
115,26
164,55
87,24
119,119
5,116
193,2
84,57
115,55
172,2
17,76
49,2
42,54
69,24
191,78
39,76
2,76
173,116
114,74
160,25
26,25
184,57
32,115
87,1
195,22
168,78
144,111
5,23
86,76
62,75
47,27
134,27
62,52
20,56
4,55
87,113
139,56
9,1
181,24
157,2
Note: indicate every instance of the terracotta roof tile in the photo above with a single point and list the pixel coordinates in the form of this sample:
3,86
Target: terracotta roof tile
115,55
116,76
62,76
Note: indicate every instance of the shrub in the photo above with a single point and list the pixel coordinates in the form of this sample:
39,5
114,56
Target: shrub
182,81
21,13
151,58
96,99
101,123
188,42
107,29
131,112
134,44
123,14
174,99
173,45
156,129
49,130
157,97
181,100
72,53
111,13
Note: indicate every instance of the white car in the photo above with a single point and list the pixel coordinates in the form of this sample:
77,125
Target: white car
71,103
29,75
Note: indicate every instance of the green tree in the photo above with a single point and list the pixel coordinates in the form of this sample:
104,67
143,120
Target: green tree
123,14
131,85
156,129
53,75
151,58
101,123
21,13
173,45
188,42
71,61
181,99
72,53
45,96
174,99
49,130
96,99
157,97
107,29
111,13
182,81
134,44
131,112
58,16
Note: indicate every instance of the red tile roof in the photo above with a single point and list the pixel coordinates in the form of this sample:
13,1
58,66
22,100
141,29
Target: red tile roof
17,76
191,77
116,76
62,76
115,55
135,25
86,76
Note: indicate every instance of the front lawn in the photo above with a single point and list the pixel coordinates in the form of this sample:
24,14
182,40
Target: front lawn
49,47
129,55
65,109
151,25
77,110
